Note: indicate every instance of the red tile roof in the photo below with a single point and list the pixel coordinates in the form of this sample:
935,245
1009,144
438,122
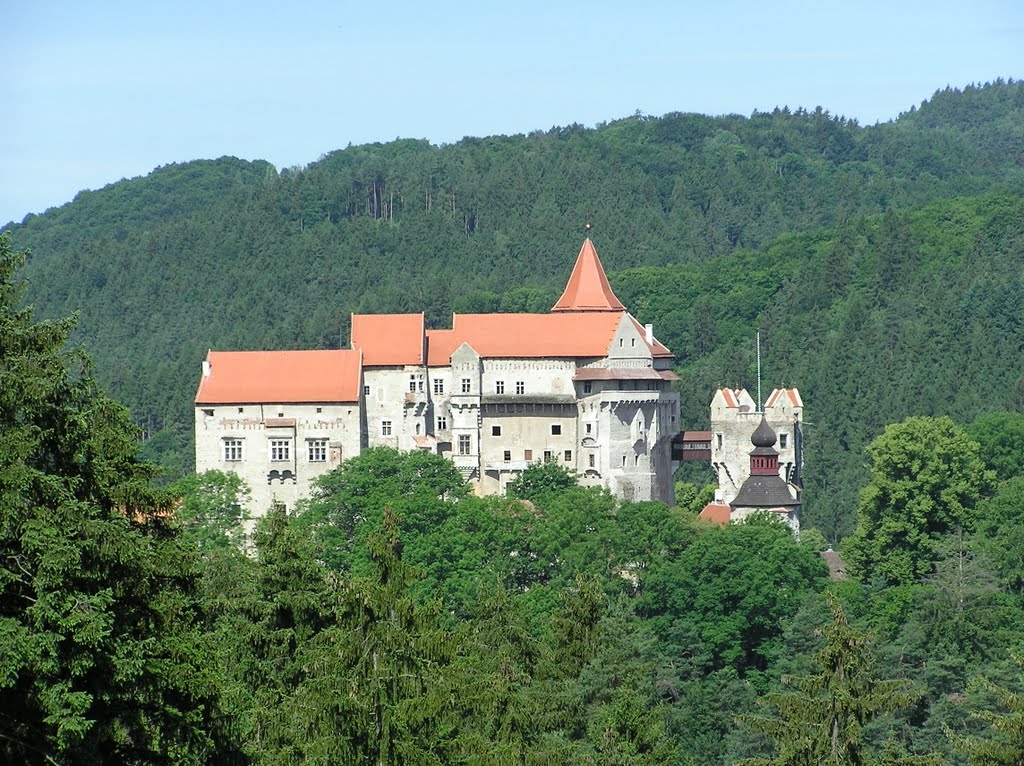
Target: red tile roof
252,377
565,336
588,288
791,393
716,513
388,340
730,400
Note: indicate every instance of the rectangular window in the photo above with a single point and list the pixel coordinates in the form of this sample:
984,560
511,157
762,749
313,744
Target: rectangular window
591,460
438,386
590,428
465,385
520,387
588,387
507,455
385,428
556,429
464,444
280,450
366,390
232,450
442,423
412,383
499,386
495,430
718,440
316,450
527,454
548,457
568,456
783,440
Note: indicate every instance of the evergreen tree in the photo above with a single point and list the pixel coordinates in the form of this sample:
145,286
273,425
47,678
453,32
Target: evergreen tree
99,636
821,722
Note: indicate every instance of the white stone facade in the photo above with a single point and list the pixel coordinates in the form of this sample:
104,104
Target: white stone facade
734,417
585,386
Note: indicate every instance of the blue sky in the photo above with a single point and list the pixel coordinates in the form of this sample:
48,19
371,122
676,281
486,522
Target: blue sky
94,92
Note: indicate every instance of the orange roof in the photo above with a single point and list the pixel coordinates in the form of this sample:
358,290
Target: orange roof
440,346
250,377
388,339
716,513
588,288
730,400
558,336
791,393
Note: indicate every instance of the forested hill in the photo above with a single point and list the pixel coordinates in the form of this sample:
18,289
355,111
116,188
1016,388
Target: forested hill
233,254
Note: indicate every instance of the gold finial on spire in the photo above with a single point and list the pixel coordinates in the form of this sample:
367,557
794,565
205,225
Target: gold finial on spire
588,227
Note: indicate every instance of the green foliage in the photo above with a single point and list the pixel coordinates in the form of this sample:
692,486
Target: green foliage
98,605
211,508
726,596
822,721
927,479
1001,438
1003,742
540,479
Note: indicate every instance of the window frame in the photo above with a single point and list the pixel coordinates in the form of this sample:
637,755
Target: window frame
232,446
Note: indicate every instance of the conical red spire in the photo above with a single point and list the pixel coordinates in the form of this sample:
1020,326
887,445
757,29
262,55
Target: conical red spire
588,288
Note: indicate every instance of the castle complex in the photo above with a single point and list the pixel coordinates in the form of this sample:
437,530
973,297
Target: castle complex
585,385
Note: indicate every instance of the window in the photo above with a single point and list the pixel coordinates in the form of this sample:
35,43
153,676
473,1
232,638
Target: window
590,459
568,456
464,444
438,386
499,386
418,429
318,410
232,450
507,455
465,385
316,450
280,450
442,423
208,413
783,440
623,461
590,428
520,387
242,409
385,428
366,390
527,454
548,457
495,430
718,441
632,342
412,383
556,429
588,387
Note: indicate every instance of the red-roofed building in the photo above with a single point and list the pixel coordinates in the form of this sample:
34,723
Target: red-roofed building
586,386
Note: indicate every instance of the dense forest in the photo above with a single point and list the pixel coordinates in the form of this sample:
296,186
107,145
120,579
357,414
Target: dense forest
881,263
395,618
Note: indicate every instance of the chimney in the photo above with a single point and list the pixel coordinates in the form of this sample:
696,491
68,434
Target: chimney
649,331
207,368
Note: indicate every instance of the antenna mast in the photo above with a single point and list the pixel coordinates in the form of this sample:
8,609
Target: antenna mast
760,406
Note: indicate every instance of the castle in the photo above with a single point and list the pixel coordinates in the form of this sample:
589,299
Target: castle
584,385
756,453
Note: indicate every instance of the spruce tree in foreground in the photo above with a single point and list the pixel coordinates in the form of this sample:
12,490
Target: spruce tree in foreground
821,722
99,641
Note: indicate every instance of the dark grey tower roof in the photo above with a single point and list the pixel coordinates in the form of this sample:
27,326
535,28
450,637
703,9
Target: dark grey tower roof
764,435
764,492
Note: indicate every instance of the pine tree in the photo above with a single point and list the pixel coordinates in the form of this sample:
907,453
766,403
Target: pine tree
822,722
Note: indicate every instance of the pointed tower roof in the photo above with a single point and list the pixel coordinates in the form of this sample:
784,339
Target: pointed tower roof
588,288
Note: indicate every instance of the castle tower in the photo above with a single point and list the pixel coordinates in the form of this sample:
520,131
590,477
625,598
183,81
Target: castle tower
764,490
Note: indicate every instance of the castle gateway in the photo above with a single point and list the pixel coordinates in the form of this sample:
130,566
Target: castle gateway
585,386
